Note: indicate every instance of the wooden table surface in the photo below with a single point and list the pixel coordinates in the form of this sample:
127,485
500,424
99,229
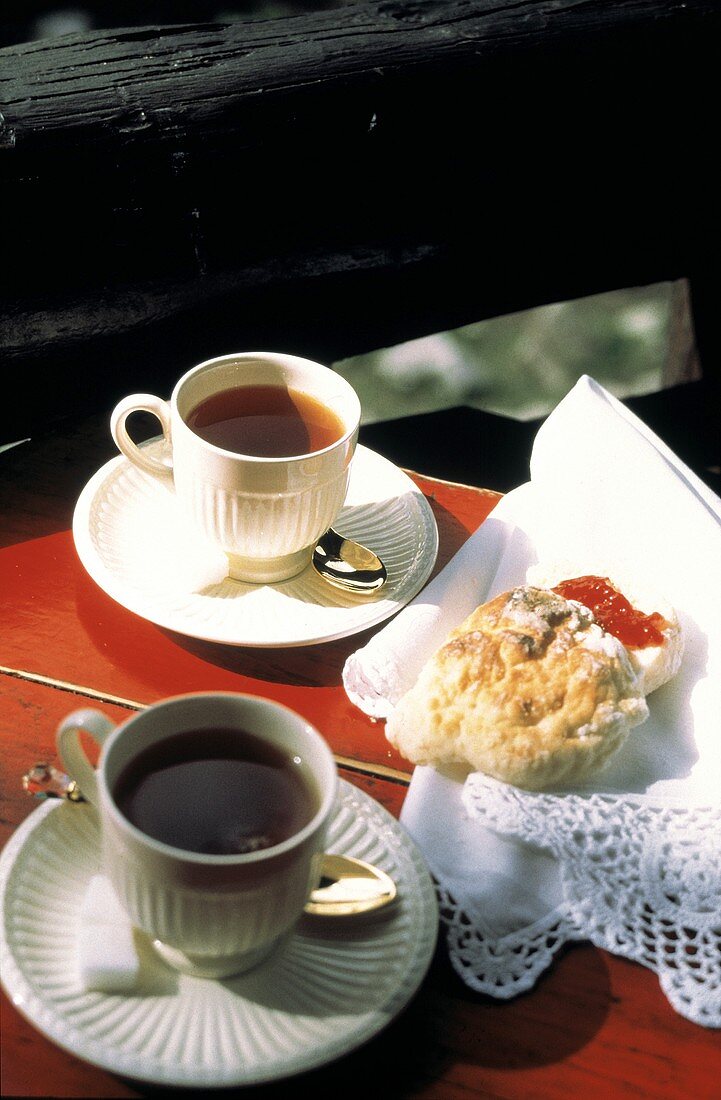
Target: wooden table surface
595,1025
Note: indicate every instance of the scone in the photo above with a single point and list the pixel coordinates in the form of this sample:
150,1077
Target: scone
645,622
529,689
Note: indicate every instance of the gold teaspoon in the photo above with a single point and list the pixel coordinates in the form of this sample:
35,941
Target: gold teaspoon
349,887
348,565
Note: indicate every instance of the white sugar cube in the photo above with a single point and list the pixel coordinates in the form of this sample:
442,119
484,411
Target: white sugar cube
107,959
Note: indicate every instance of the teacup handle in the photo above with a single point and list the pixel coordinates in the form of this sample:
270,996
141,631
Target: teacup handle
75,762
141,402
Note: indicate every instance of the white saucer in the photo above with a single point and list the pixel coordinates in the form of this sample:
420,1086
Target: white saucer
136,544
330,988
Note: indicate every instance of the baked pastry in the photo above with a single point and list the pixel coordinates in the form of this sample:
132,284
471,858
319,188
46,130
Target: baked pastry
646,624
529,689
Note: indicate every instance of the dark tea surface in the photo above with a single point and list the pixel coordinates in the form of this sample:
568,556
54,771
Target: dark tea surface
265,421
216,791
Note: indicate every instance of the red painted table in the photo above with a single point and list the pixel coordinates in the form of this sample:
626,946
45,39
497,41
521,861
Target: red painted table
595,1024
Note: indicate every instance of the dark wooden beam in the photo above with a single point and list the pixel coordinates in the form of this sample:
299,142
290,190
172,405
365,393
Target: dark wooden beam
338,181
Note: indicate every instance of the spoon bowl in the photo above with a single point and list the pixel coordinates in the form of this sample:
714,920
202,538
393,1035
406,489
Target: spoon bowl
349,887
347,564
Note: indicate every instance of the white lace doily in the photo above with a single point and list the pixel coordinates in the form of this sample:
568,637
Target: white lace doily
640,880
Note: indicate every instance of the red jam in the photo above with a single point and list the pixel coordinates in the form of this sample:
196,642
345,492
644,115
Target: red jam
613,611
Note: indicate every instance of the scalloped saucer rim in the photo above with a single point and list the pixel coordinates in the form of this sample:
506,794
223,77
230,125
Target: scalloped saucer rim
96,1026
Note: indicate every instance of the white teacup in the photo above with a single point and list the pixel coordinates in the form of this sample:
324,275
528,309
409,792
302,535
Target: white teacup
265,513
209,914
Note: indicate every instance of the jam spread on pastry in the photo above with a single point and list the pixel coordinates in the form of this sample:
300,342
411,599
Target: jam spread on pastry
634,613
614,612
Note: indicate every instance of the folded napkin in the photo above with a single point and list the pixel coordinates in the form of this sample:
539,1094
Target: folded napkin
631,861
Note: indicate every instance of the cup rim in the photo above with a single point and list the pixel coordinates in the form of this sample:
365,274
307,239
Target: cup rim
202,859
270,460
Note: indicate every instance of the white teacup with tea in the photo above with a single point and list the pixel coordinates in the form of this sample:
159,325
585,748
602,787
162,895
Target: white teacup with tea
214,809
262,445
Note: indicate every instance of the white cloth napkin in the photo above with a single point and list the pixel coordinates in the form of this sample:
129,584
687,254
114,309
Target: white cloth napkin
606,493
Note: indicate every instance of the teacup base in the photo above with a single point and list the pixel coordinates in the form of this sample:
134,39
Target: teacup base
267,570
213,966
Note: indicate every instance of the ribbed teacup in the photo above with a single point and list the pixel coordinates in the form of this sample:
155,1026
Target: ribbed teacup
208,914
265,513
